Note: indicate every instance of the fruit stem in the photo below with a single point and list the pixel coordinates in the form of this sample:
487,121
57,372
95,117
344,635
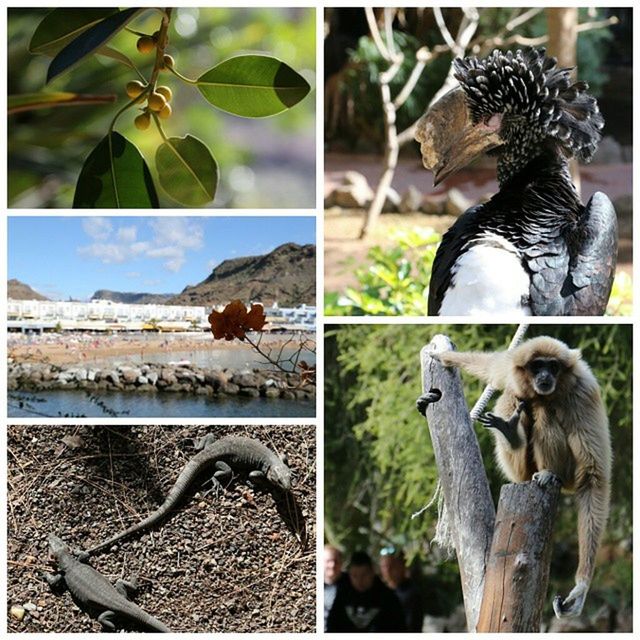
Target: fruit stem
161,45
159,126
121,111
183,78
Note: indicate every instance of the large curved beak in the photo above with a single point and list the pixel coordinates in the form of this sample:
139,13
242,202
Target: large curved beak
449,139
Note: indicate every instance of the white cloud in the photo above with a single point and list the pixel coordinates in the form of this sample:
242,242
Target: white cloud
96,227
127,234
133,274
171,240
108,253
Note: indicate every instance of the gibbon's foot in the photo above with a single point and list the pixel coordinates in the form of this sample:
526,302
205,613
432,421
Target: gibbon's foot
572,605
509,429
545,477
426,399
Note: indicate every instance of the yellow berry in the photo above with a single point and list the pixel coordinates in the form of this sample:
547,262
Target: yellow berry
156,101
143,121
165,92
165,112
146,44
134,88
168,61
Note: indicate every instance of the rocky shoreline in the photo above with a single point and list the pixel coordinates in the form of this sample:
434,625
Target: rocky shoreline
159,378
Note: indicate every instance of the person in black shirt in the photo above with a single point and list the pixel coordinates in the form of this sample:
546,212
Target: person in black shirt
395,574
364,603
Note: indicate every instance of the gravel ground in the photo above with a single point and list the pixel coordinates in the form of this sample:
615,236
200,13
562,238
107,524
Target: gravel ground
242,562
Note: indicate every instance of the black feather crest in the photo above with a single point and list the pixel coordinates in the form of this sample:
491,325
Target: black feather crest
529,84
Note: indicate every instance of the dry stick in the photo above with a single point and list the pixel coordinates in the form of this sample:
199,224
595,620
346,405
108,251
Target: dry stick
394,140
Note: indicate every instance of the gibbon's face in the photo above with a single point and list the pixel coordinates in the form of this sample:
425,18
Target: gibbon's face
544,374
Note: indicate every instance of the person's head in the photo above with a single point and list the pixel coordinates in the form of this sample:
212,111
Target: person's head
332,564
361,571
392,567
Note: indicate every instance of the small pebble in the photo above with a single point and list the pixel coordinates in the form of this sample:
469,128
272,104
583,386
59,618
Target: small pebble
29,606
18,613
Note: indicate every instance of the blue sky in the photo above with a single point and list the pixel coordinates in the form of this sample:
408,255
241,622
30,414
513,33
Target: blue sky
74,256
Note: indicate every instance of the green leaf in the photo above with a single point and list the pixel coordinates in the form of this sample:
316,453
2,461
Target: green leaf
253,86
44,100
187,171
115,176
114,54
88,41
59,27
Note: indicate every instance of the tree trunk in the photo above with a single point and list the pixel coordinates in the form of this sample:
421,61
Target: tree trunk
518,569
469,507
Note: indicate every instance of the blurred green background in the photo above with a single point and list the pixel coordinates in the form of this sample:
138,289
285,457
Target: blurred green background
379,461
263,163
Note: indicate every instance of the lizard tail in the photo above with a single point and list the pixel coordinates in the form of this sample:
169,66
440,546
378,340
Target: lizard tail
190,472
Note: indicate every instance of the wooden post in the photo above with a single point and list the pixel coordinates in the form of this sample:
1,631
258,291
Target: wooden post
518,569
467,497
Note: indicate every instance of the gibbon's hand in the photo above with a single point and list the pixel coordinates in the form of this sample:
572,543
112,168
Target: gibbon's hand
572,605
426,399
508,429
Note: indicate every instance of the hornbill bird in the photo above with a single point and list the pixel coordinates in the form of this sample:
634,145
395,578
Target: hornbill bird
533,248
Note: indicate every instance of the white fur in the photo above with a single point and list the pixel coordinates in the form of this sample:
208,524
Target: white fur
487,280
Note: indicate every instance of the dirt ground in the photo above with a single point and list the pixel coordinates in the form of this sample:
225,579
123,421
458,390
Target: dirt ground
241,562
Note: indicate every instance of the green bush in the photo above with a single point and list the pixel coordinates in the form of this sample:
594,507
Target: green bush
395,283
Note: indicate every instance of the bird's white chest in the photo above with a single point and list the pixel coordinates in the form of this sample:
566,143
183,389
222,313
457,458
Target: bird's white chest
488,279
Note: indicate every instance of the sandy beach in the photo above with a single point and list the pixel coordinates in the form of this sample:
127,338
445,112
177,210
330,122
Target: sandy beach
62,349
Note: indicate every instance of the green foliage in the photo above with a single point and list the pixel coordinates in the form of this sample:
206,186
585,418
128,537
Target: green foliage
253,86
396,283
99,45
361,84
379,464
187,171
620,302
114,176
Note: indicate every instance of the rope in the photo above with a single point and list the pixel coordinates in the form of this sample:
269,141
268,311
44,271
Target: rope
488,392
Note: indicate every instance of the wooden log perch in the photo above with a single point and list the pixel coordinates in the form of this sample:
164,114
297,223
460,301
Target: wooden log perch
467,497
517,574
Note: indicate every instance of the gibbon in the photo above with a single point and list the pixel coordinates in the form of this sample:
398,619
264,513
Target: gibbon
549,423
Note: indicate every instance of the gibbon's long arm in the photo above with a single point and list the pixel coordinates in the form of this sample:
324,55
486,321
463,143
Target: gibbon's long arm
489,367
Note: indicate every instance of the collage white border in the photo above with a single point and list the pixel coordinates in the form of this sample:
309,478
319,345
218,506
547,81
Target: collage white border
319,420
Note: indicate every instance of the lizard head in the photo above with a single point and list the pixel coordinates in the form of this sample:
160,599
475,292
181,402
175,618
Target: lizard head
279,474
56,546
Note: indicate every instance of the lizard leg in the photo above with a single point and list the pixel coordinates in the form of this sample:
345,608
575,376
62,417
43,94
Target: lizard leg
106,619
205,441
54,580
222,475
125,588
257,477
